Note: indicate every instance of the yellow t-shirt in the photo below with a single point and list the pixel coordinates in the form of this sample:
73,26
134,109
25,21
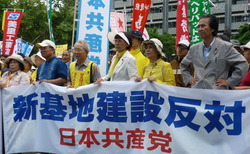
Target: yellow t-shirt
141,60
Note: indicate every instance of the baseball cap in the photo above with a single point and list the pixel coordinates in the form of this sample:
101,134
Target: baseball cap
46,43
184,42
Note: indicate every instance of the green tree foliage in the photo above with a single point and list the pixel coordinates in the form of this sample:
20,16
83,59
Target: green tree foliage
167,40
34,27
243,34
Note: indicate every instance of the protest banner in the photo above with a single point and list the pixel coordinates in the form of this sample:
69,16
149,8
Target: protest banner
196,8
93,26
141,10
182,28
49,14
125,117
117,22
61,48
11,27
23,47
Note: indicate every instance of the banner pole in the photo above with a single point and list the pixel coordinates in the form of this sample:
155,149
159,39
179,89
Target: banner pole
73,29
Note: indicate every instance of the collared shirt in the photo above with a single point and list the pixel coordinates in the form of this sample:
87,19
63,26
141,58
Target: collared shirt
16,79
52,69
95,73
161,71
206,50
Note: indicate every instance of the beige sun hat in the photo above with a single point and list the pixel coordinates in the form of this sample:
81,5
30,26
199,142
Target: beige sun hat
16,57
245,46
157,44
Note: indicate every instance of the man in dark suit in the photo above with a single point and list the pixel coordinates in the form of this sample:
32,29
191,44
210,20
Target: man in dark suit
212,59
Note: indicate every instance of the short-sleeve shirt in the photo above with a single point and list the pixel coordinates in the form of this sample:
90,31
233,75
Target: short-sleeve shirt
52,69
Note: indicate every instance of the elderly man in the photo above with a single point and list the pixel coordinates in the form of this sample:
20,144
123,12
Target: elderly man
53,70
66,56
82,71
212,59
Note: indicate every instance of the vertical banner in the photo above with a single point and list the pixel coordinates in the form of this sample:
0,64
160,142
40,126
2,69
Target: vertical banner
117,22
11,27
49,9
182,29
140,14
197,8
93,27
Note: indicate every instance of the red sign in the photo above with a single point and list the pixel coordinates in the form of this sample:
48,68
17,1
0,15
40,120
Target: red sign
11,27
140,14
182,30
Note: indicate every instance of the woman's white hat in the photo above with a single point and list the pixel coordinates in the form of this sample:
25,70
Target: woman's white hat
245,46
157,44
111,37
37,54
16,57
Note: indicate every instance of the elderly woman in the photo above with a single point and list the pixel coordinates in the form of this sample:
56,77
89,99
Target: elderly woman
123,66
157,70
15,76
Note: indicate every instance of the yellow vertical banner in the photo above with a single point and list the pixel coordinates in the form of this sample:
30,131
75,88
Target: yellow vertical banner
4,13
61,48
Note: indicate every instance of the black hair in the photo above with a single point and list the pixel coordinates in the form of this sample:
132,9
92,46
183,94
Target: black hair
21,66
128,37
213,22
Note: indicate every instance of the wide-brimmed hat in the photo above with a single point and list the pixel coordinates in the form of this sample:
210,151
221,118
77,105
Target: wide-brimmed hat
46,43
111,37
157,44
245,46
28,59
15,57
34,56
136,33
184,43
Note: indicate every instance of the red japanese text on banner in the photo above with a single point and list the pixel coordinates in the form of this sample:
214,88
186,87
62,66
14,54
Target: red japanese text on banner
140,14
11,27
182,30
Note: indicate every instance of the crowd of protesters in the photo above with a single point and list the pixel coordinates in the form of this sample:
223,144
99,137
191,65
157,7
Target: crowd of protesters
214,63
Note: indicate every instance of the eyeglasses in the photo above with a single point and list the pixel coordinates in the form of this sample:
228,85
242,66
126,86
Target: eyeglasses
78,49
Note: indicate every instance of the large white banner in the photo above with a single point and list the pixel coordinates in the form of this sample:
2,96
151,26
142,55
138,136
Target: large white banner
93,27
125,117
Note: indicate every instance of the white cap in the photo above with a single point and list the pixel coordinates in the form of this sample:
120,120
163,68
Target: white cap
111,37
46,43
245,46
34,56
184,42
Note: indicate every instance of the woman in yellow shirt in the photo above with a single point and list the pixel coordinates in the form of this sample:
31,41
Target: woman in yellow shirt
157,70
